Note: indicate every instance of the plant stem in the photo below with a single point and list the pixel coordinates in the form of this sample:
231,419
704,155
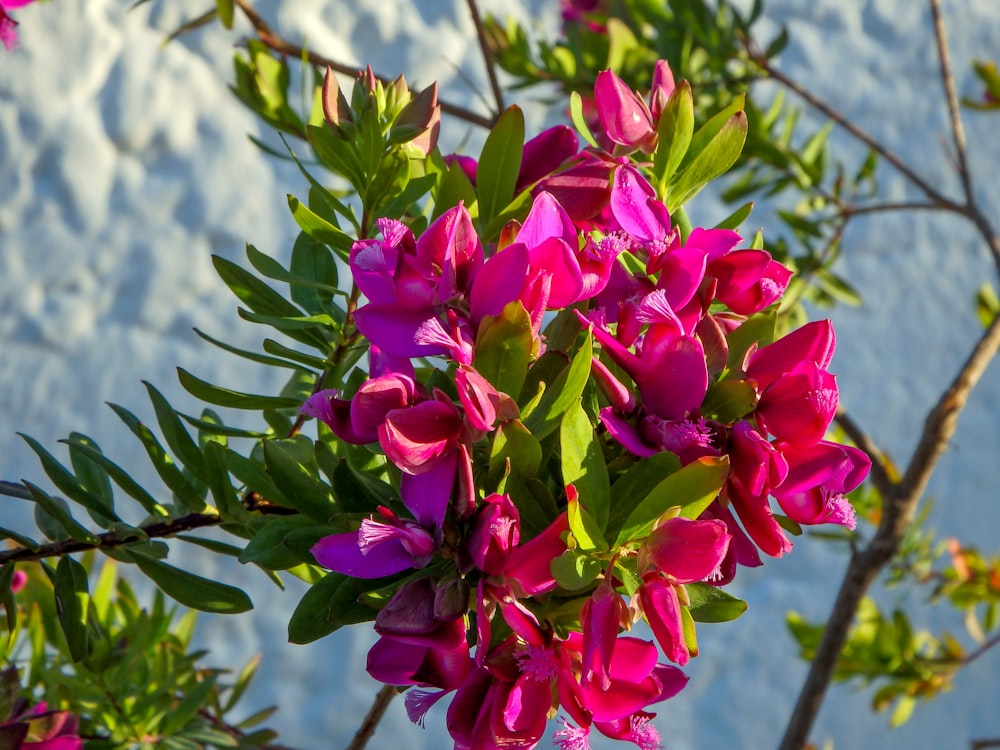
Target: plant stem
382,700
484,46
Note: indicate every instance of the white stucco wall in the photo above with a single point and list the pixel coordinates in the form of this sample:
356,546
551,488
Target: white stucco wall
123,167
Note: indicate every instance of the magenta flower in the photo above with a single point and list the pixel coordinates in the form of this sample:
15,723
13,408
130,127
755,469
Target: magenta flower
819,477
420,644
8,33
678,551
495,532
18,581
798,406
28,727
378,548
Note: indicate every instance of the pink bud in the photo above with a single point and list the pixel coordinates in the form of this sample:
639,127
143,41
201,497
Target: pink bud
624,116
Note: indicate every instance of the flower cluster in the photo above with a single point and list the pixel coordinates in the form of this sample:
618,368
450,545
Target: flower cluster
686,376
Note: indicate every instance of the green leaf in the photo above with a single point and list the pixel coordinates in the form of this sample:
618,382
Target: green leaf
69,484
564,391
225,11
298,479
585,529
318,228
674,132
253,475
513,443
503,348
574,571
712,604
329,605
716,158
58,510
176,435
183,490
336,154
189,589
268,549
214,394
316,271
455,188
118,475
737,217
583,465
692,488
579,119
729,400
499,164
252,356
759,329
635,484
72,597
280,350
90,473
220,485
359,491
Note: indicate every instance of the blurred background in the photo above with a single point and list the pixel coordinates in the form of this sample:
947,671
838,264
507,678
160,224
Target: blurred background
125,165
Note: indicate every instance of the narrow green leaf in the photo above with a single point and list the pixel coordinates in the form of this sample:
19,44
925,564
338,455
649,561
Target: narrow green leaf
455,188
280,350
564,391
225,11
729,400
176,435
220,485
213,394
692,488
583,464
72,597
59,511
329,605
189,589
674,131
514,444
313,279
737,217
499,164
10,611
712,604
120,477
757,329
17,538
183,490
579,119
65,480
585,529
716,158
299,481
253,292
268,548
317,227
253,476
245,354
219,429
89,472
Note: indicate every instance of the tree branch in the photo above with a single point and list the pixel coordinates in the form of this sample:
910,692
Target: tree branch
375,713
849,126
111,539
484,46
948,81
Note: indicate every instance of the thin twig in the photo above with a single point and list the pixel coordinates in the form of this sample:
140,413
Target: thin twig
484,46
983,648
278,43
877,208
880,473
948,81
983,744
375,713
849,126
111,539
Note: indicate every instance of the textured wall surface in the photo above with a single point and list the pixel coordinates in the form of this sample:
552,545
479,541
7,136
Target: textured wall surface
123,167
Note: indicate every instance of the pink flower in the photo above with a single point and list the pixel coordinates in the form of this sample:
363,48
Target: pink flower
8,34
819,477
678,551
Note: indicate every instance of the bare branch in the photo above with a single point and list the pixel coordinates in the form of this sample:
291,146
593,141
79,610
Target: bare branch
867,139
484,46
375,713
948,81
